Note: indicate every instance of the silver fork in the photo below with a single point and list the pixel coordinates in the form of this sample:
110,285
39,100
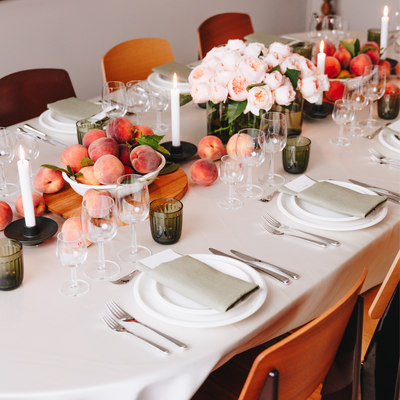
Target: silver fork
382,157
114,325
268,198
119,313
276,224
382,162
270,229
126,278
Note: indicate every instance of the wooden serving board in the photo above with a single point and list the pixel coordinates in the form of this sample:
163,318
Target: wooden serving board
67,203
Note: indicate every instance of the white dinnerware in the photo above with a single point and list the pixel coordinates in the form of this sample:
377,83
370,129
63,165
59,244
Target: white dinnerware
389,141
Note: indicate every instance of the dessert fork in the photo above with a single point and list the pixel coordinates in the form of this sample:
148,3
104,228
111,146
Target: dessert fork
384,162
273,231
126,278
114,325
122,315
276,224
382,157
268,198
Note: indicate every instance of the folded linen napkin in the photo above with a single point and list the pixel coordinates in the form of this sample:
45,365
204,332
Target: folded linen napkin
196,280
266,39
75,109
168,70
394,128
333,197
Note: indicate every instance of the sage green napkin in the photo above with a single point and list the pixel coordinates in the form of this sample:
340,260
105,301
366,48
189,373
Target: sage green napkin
337,198
167,70
75,109
200,282
394,128
266,39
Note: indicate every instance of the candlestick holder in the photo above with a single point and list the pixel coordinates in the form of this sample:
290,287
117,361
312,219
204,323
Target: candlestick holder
44,229
179,153
318,111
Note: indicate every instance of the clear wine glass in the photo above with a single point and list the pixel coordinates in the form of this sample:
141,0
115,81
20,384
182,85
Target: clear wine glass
71,252
159,103
353,97
374,79
133,204
30,146
113,99
7,151
274,126
231,172
251,153
315,28
342,114
137,99
100,224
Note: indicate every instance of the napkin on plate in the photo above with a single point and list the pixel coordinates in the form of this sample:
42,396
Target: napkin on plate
394,128
75,109
333,197
196,280
266,39
167,70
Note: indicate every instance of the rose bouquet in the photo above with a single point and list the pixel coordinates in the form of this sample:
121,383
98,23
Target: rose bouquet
250,78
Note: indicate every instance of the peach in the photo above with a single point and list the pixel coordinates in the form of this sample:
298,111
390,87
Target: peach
335,91
74,223
358,64
144,159
6,215
392,88
93,135
244,145
371,44
231,145
96,192
397,69
107,169
343,56
343,74
123,154
47,180
388,67
120,129
98,206
72,156
87,177
38,204
103,146
374,56
141,129
204,172
329,49
211,147
128,170
97,198
332,67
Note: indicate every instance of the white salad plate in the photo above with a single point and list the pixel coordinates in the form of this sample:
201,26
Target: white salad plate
50,123
159,82
389,141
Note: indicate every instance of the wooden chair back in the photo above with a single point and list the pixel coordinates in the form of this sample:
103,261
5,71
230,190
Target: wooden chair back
25,94
134,59
303,359
218,29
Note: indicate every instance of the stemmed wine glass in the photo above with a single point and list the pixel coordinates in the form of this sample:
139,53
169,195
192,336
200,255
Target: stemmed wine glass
137,99
342,114
315,28
274,126
30,146
7,151
133,204
230,172
251,153
71,252
113,99
100,224
353,97
159,103
374,79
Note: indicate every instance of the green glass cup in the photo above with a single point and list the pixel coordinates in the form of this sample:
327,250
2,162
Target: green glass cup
374,35
303,48
11,264
296,154
389,106
166,220
83,126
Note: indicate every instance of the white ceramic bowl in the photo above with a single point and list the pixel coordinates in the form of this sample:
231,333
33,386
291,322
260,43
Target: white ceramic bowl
80,188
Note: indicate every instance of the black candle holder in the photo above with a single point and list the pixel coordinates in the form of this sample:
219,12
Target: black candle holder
179,153
318,111
44,229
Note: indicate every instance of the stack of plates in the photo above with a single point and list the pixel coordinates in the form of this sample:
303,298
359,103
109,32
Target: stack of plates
160,82
171,307
390,141
316,217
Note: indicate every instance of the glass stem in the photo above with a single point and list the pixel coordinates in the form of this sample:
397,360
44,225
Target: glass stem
133,239
249,179
353,122
230,198
102,262
74,278
3,184
271,166
137,118
341,132
158,118
371,104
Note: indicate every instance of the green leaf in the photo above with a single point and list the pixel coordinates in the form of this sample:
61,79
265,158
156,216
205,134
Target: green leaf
169,168
234,109
293,75
366,48
69,169
86,162
184,99
276,68
357,47
152,141
55,168
254,85
349,47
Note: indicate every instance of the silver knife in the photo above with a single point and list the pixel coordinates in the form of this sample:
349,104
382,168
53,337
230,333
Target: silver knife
36,136
373,134
374,187
31,128
273,275
250,258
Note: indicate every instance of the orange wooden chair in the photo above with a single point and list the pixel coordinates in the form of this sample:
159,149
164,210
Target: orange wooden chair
25,94
134,59
218,29
293,368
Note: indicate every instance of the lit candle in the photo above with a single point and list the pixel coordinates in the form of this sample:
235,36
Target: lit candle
175,123
384,30
25,184
321,66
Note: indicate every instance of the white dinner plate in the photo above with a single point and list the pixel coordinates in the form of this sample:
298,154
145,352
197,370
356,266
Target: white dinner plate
58,120
159,83
144,295
389,141
47,123
286,207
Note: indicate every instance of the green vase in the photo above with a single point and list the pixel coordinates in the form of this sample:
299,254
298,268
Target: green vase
294,117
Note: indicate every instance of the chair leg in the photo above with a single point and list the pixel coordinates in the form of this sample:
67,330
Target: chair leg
270,388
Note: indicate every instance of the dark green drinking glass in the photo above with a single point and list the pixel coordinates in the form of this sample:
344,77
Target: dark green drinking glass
11,264
389,106
296,154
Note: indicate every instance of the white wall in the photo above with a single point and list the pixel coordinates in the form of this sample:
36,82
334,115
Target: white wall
75,34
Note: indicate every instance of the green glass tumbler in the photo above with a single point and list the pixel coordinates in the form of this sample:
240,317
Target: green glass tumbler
303,48
11,264
166,220
85,125
296,154
374,35
389,106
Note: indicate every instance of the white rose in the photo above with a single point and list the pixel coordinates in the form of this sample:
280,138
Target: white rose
200,92
291,62
273,80
259,98
312,87
255,49
237,88
231,59
236,44
285,93
212,62
252,68
307,68
280,48
201,75
219,93
217,51
224,75
273,59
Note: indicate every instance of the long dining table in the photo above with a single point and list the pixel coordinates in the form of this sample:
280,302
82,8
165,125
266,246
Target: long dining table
54,347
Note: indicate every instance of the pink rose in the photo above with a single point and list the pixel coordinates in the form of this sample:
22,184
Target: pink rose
212,62
285,93
280,48
260,97
312,87
237,88
219,93
224,75
231,59
273,59
300,63
291,62
255,50
273,80
201,75
200,92
236,44
252,68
